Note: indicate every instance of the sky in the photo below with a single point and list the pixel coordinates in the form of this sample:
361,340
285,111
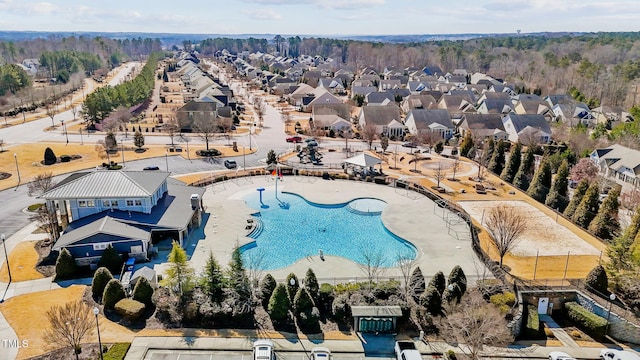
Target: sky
322,17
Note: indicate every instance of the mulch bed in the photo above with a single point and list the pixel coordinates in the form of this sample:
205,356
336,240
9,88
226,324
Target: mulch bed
4,175
46,261
89,352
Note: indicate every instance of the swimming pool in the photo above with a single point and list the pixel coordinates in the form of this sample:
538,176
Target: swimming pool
299,229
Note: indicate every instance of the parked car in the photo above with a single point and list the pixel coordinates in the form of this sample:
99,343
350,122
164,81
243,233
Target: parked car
320,353
148,168
559,355
263,350
410,144
294,139
230,164
611,354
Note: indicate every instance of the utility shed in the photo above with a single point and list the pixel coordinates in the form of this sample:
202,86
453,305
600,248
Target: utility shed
375,318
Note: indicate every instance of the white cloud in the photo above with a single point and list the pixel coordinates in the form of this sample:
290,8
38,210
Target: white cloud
262,14
325,4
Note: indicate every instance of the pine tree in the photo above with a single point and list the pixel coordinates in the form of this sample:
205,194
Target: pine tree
237,277
578,194
523,176
489,150
267,286
515,158
557,198
179,272
311,284
100,279
439,282
496,164
606,225
457,277
212,281
466,145
138,139
143,291
416,282
541,183
292,285
588,207
279,304
431,299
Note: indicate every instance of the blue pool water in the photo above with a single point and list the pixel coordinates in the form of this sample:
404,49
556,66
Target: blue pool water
295,228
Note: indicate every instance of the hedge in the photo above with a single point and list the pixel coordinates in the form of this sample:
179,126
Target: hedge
532,327
130,309
117,351
591,323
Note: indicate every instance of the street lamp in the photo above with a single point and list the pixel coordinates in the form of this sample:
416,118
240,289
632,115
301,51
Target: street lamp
612,298
96,311
122,149
6,256
15,157
166,159
250,126
64,129
81,141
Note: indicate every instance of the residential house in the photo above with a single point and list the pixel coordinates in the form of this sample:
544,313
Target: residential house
433,121
611,115
527,129
483,126
320,96
379,98
331,117
128,210
620,164
573,113
418,102
555,99
295,97
389,84
433,70
362,90
495,107
385,118
530,107
332,85
195,112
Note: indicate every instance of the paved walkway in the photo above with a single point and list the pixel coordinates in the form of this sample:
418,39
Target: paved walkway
559,332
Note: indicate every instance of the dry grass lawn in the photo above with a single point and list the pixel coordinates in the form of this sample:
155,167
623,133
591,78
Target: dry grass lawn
23,260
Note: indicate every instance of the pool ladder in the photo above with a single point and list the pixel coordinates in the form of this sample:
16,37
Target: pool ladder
257,228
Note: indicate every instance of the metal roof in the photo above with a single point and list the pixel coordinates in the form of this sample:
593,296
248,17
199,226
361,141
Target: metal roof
377,311
108,184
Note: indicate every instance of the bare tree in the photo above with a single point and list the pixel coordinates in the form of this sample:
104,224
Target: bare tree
455,167
40,184
260,108
505,224
206,130
254,264
475,323
1,145
286,120
171,127
372,263
74,112
439,173
50,108
69,324
406,261
226,124
369,134
47,220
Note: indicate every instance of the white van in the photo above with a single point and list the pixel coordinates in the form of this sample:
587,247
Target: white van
610,354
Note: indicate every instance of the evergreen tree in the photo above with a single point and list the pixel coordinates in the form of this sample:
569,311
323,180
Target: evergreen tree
431,299
597,279
111,259
515,158
416,282
496,164
113,293
143,291
588,207
453,292
302,301
557,198
489,150
49,157
523,176
212,281
632,230
541,183
578,194
439,282
292,285
179,272
138,139
466,145
267,287
100,279
237,277
311,284
458,277
279,304
606,225
65,265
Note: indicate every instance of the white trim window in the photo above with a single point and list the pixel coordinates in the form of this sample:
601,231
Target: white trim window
82,203
91,203
138,202
101,246
129,202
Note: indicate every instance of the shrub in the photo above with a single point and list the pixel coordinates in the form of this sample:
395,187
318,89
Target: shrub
142,291
311,284
267,287
101,277
49,157
532,326
111,260
279,304
548,333
325,297
593,324
113,293
451,355
416,282
65,158
117,351
302,301
65,265
454,294
340,308
35,207
457,276
597,279
507,298
210,152
432,301
130,309
575,334
292,289
439,282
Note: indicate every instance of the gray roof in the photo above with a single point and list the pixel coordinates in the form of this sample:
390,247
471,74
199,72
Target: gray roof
362,90
106,228
536,121
108,184
381,115
378,97
425,117
378,311
484,121
146,272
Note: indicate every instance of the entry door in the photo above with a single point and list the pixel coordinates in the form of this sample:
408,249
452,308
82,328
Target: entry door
543,305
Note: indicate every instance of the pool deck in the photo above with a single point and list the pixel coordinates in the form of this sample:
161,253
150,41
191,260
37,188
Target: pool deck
409,215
